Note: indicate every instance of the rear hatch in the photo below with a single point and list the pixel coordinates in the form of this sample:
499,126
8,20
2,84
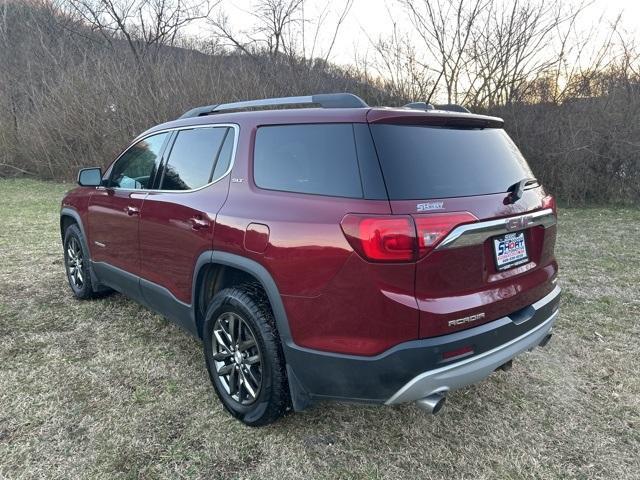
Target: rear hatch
486,240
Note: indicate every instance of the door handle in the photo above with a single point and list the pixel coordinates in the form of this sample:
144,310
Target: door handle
132,210
198,223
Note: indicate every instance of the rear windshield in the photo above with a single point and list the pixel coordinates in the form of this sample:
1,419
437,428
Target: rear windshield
421,162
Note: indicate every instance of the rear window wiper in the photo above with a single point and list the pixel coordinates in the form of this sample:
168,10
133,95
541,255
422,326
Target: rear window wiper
517,189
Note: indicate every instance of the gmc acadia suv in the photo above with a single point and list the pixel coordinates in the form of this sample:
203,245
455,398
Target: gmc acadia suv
380,255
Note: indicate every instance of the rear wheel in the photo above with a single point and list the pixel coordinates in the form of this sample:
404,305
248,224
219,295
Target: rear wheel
244,356
76,263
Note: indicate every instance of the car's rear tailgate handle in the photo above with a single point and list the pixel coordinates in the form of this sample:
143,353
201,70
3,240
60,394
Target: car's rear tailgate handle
199,223
132,210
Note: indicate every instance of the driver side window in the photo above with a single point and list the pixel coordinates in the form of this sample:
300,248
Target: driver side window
137,167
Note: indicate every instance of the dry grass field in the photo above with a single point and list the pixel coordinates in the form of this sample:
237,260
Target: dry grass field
107,389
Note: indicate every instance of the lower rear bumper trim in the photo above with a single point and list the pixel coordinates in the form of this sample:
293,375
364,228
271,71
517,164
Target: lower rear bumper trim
471,370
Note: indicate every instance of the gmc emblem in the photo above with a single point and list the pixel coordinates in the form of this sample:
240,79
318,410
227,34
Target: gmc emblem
519,223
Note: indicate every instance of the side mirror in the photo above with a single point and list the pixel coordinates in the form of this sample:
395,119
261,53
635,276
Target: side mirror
90,177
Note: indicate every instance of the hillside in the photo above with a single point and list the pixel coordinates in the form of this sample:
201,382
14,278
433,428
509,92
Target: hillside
71,97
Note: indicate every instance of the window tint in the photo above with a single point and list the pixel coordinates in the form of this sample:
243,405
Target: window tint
192,159
319,159
137,167
421,162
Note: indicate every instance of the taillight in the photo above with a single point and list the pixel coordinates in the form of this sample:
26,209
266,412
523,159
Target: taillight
399,238
550,202
431,229
381,238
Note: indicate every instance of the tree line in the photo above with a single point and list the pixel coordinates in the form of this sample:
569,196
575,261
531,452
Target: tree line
80,78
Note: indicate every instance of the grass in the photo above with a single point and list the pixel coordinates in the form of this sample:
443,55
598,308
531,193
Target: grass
107,389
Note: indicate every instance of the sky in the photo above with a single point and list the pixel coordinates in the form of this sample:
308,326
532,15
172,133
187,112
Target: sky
371,19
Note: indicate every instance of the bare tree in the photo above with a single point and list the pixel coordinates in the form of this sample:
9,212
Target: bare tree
571,100
146,25
404,74
576,76
515,46
274,19
445,27
342,17
280,28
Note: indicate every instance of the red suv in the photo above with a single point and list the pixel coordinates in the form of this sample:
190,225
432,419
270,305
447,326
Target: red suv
379,255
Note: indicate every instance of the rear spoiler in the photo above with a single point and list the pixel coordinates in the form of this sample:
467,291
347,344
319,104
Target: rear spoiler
437,118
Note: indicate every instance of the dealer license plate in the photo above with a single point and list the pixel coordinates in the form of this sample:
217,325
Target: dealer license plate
510,250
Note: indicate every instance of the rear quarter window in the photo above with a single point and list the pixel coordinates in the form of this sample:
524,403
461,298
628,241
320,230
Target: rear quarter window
421,162
316,159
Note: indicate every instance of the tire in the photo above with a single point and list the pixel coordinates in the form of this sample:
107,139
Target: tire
76,263
244,355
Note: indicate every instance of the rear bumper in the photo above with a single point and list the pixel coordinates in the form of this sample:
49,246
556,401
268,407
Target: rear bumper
416,369
472,370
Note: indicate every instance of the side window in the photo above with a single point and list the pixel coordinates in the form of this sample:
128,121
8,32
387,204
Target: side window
224,158
194,156
137,167
314,158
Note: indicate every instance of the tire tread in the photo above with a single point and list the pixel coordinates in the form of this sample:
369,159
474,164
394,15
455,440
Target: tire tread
252,296
87,291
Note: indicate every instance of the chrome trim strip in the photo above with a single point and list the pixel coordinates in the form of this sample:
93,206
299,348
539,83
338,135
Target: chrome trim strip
236,133
475,368
477,233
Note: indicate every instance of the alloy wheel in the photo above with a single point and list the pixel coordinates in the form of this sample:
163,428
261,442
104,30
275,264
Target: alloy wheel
74,263
237,358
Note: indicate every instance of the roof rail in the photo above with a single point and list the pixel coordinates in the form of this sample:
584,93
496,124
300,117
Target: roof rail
449,107
325,100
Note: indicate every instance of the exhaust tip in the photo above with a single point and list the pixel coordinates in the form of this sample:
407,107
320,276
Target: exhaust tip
545,340
432,404
505,367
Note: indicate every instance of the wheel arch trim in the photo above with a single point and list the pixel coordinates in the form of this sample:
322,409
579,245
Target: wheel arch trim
299,396
73,213
256,270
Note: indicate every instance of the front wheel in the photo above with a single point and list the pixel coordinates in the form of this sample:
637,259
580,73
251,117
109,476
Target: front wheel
244,356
